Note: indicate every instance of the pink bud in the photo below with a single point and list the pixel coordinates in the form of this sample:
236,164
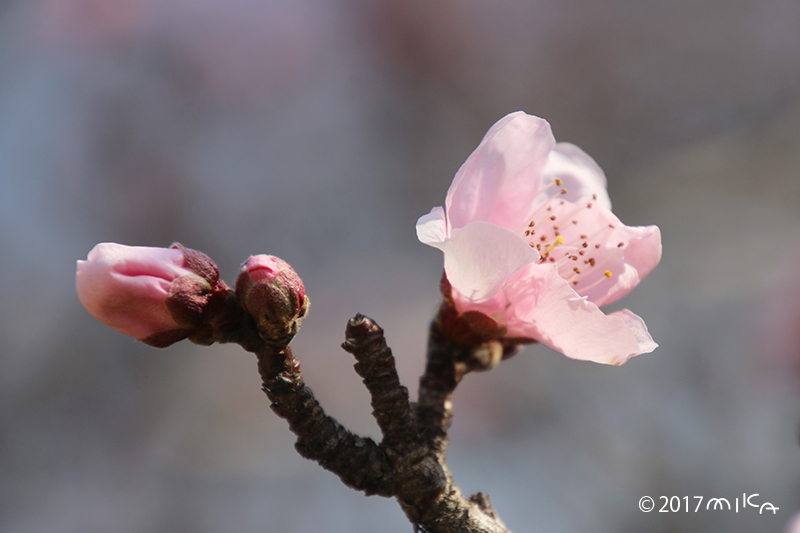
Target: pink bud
271,291
156,295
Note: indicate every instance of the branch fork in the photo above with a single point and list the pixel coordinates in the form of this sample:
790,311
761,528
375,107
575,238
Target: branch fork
409,462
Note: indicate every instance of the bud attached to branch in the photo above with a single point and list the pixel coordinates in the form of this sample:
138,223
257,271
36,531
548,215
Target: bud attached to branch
271,291
156,295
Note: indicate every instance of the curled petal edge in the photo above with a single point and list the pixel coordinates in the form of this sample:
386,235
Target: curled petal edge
432,228
555,315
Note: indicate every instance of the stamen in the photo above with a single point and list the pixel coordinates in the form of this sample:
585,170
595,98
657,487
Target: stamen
559,240
554,232
606,275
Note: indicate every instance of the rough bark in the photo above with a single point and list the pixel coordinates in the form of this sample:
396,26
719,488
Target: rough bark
409,462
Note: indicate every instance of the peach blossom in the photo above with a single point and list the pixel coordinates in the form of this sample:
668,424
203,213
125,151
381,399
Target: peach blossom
529,239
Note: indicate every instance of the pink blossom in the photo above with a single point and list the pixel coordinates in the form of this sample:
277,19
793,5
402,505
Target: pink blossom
128,287
529,239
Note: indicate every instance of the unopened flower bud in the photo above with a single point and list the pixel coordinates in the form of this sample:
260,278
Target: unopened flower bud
271,291
156,295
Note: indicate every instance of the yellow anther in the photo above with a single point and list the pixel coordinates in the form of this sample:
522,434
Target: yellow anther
559,182
559,240
607,273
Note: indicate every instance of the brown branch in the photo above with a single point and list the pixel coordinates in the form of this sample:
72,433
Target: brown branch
409,463
415,441
442,375
375,364
358,461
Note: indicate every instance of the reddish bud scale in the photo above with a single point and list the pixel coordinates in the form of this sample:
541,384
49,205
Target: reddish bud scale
270,290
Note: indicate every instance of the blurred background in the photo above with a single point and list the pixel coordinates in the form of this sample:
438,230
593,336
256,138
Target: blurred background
319,130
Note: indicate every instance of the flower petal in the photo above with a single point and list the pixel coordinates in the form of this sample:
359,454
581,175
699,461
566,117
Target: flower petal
432,228
501,178
480,256
636,325
627,253
126,287
581,176
601,256
547,309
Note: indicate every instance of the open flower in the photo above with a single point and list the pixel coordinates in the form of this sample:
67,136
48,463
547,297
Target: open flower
529,239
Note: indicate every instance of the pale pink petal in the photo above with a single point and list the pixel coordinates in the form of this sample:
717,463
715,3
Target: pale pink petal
627,253
500,124
479,256
641,254
134,306
126,287
432,228
166,263
636,325
500,179
580,175
544,307
603,258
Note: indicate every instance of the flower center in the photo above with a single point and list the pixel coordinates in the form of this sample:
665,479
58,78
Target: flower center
575,237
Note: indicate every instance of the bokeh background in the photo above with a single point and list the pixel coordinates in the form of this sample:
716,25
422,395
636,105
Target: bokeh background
319,130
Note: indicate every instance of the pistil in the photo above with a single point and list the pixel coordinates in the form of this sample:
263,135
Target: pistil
554,228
